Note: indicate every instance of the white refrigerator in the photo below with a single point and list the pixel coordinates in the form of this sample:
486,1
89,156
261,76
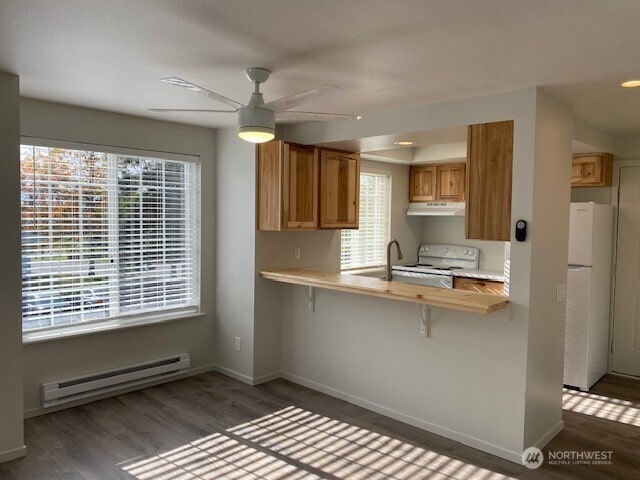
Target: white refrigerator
586,346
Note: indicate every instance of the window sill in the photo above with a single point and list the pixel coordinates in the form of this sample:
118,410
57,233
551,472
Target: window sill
106,326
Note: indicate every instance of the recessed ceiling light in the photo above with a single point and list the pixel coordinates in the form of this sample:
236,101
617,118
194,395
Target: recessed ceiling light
630,84
403,143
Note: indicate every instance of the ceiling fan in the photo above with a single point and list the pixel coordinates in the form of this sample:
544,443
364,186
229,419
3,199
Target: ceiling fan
256,119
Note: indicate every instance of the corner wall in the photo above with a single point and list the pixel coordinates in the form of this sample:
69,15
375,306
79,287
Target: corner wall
235,235
11,358
549,234
72,356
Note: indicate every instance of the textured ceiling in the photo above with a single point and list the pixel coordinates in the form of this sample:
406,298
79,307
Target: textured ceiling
386,54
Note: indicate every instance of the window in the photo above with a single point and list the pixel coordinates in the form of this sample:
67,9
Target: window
106,235
366,247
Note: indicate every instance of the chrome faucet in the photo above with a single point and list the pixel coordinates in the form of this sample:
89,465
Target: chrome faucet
389,274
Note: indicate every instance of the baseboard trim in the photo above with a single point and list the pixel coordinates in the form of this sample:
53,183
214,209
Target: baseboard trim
467,440
624,375
266,378
233,374
246,378
547,437
35,412
13,454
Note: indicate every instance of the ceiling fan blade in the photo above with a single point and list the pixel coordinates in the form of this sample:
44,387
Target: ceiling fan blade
300,98
190,110
178,82
315,116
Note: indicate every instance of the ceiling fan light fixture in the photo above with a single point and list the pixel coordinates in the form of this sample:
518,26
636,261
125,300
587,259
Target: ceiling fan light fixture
630,84
256,134
256,125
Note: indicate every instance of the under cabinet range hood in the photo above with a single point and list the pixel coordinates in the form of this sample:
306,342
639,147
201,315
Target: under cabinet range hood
436,209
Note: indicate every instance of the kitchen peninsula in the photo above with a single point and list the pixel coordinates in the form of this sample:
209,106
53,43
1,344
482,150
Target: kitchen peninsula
460,300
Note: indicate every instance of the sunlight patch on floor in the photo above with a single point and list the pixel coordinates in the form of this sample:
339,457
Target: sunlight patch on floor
600,406
297,444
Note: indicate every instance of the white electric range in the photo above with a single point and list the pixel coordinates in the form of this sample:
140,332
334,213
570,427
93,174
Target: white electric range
436,264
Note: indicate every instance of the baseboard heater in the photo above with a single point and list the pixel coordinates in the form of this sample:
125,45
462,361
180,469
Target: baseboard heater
70,389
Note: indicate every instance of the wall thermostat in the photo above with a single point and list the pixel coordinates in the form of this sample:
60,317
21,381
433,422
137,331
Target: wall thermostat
521,230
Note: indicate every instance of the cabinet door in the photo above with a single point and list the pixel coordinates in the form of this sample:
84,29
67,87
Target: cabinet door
300,188
339,189
450,182
422,183
591,170
269,185
488,192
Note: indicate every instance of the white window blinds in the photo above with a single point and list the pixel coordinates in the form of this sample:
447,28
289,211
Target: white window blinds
106,235
366,247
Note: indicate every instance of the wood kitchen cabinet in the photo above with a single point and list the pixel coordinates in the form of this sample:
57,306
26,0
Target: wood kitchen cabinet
488,181
478,285
339,189
450,179
437,182
591,170
422,183
304,187
287,186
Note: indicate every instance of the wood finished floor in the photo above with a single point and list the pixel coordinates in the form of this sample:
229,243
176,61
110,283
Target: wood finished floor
211,426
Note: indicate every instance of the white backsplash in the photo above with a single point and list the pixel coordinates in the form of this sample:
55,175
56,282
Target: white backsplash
451,230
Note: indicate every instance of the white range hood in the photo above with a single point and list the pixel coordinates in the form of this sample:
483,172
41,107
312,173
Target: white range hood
436,209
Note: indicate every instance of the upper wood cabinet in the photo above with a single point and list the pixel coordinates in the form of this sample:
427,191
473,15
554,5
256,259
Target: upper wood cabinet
442,182
339,189
422,183
287,187
489,167
306,188
450,180
591,170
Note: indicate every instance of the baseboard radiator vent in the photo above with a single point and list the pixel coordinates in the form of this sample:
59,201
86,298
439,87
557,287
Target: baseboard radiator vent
70,389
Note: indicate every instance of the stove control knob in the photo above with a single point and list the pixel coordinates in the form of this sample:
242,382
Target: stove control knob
465,251
426,249
445,250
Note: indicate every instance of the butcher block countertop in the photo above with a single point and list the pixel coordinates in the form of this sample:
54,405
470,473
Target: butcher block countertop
435,297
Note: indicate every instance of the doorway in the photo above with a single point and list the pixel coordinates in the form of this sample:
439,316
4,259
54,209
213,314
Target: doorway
625,357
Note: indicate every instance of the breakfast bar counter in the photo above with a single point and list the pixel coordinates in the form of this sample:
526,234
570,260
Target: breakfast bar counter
434,297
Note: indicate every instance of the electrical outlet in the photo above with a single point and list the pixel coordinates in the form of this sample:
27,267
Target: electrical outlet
237,344
296,253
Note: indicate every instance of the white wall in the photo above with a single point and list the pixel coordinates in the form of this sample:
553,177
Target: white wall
629,148
445,152
53,360
591,194
11,434
451,230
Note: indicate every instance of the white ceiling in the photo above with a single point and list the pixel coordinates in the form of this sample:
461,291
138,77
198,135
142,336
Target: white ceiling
386,54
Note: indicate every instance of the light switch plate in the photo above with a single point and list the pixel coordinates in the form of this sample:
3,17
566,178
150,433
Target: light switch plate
561,293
